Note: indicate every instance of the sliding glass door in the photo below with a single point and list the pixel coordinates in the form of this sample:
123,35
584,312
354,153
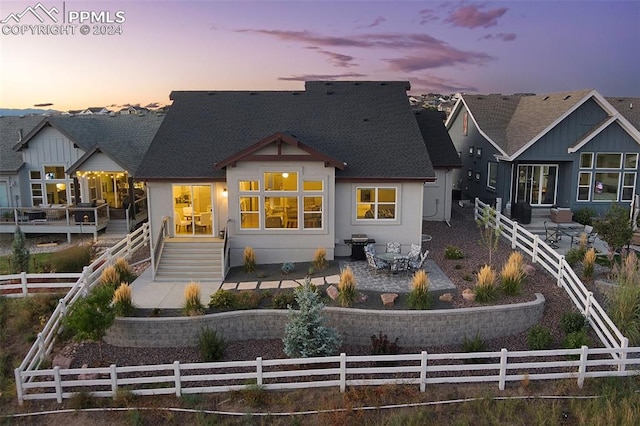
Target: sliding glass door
537,184
192,210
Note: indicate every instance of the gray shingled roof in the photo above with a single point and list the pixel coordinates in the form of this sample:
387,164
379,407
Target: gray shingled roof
512,121
124,138
629,108
368,125
11,161
439,145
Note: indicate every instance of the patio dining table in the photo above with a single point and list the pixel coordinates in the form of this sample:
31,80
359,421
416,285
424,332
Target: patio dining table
388,257
571,231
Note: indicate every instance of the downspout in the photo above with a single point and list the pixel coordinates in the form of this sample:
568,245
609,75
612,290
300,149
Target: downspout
446,191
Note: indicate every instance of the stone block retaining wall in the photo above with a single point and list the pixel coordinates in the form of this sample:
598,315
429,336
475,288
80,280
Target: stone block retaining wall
413,328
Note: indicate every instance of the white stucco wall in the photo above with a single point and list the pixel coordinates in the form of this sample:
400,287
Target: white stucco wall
436,204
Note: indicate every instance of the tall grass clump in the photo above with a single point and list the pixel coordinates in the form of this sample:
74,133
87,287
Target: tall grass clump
512,274
124,270
249,259
624,300
192,304
419,295
347,287
320,259
210,345
486,290
109,275
73,259
588,262
122,300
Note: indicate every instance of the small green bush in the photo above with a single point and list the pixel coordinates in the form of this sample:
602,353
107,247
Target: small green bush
20,253
539,338
583,216
283,300
572,322
381,345
210,345
574,256
453,252
473,345
575,340
288,267
247,300
223,299
72,259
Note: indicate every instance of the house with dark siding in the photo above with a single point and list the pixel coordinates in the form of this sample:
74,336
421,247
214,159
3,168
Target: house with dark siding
572,149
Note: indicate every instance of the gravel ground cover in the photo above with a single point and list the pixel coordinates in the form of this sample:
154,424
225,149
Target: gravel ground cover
463,233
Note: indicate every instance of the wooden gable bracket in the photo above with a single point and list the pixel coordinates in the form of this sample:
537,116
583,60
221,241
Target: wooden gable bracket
279,139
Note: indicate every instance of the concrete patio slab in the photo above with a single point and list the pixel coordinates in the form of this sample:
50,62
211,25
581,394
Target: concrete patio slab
269,285
249,285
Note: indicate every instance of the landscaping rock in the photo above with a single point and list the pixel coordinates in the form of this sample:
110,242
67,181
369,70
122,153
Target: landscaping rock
388,299
361,298
61,361
87,376
529,270
447,297
332,292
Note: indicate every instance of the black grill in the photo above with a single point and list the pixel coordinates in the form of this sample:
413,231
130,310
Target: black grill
357,243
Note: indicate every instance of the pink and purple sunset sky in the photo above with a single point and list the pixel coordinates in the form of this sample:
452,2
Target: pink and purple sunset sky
444,47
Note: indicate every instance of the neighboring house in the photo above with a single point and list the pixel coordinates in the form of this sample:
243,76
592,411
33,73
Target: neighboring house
134,110
574,149
445,160
287,172
61,161
95,110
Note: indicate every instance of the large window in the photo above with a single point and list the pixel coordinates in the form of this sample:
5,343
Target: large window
376,203
492,174
287,201
537,184
611,177
49,186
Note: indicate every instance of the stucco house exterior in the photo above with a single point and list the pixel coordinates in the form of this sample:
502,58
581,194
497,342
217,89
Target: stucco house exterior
571,150
286,172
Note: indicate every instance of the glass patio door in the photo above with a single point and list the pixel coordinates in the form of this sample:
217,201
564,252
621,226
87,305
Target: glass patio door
192,210
537,184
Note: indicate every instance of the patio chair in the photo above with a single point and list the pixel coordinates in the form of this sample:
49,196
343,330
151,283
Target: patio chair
552,235
400,264
416,265
375,263
414,254
393,247
591,236
181,221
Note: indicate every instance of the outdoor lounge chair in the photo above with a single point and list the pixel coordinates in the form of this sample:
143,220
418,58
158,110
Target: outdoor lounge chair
552,235
415,265
393,247
400,264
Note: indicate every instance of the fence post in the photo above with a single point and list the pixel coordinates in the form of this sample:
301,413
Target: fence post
587,305
475,209
23,281
109,256
114,380
503,368
583,365
343,372
423,371
259,371
560,271
18,377
63,306
58,383
41,351
129,246
536,244
176,375
85,281
624,344
514,234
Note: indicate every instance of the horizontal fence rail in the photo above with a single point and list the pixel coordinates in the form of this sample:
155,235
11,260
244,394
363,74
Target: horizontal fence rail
23,284
422,369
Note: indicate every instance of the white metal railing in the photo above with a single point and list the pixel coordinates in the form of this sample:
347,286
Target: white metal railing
340,371
566,278
90,277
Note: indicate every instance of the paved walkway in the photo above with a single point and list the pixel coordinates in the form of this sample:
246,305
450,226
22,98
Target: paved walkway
169,295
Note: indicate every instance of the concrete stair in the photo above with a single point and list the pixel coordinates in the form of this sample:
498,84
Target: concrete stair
184,261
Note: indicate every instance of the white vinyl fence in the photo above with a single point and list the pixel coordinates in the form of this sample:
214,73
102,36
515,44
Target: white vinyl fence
341,371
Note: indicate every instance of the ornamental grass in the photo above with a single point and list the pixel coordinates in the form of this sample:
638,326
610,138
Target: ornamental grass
419,295
347,287
110,275
192,302
320,259
124,270
249,259
123,300
588,262
512,274
486,290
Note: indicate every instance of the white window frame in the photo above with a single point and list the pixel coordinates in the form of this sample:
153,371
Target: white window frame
376,202
492,165
621,171
588,186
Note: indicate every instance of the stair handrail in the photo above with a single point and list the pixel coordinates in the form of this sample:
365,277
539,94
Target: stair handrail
157,250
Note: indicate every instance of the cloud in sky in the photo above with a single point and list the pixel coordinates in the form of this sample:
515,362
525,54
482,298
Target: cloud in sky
500,36
430,83
426,51
379,20
43,104
305,77
337,59
427,15
470,16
